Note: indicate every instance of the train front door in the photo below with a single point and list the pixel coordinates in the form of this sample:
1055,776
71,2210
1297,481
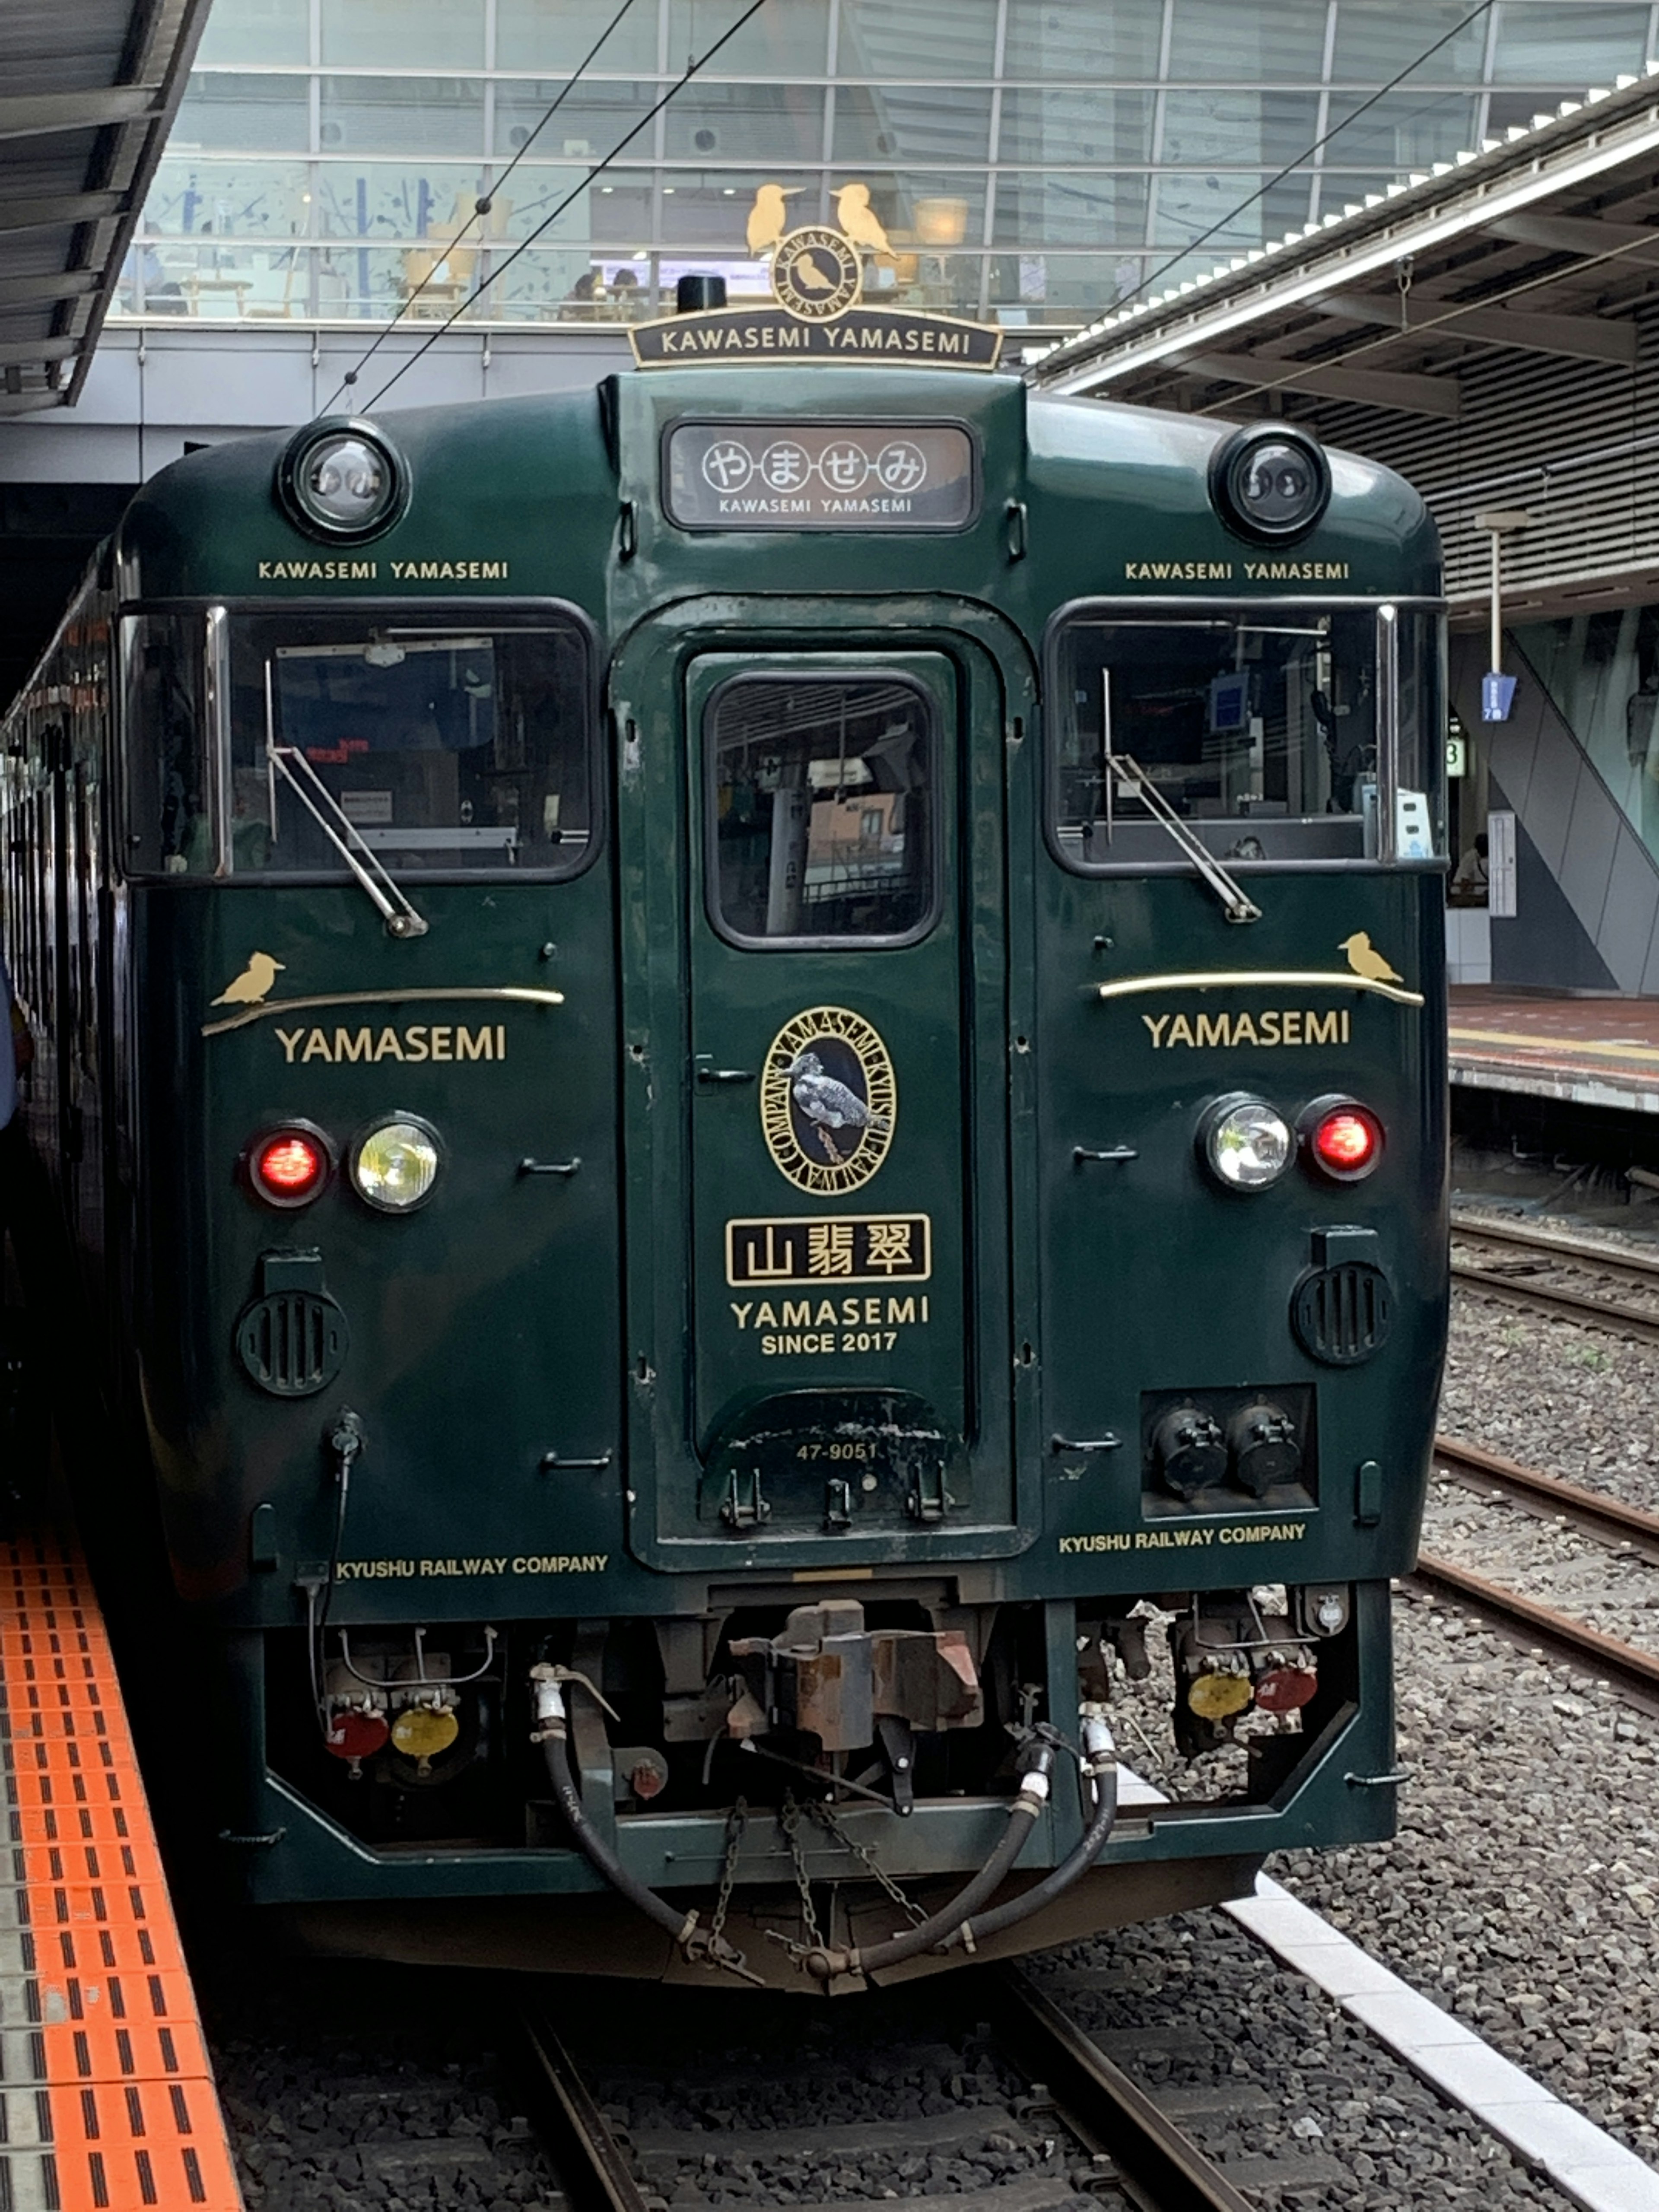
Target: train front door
825,1287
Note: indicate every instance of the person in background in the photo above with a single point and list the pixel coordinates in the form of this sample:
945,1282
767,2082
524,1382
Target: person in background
1470,885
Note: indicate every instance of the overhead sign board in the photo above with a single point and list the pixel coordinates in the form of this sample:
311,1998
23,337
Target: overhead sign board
816,312
783,475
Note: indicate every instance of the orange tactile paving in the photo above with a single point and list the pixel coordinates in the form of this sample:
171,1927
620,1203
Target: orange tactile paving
107,2102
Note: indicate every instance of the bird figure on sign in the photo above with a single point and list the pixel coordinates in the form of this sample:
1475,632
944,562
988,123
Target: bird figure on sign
253,985
768,215
1365,960
831,1105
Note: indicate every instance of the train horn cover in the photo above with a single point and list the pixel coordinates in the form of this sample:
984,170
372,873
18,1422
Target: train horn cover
341,481
1270,483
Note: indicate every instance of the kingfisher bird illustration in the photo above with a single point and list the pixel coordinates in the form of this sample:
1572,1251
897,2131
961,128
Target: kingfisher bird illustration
253,984
806,273
1365,960
854,219
830,1104
768,215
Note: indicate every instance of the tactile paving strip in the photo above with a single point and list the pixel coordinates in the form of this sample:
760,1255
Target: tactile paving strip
107,2102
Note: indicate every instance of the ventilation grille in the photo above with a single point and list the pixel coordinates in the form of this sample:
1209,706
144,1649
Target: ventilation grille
1342,1314
293,1342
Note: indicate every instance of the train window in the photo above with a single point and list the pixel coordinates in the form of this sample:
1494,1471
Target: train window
169,829
445,745
820,810
1257,725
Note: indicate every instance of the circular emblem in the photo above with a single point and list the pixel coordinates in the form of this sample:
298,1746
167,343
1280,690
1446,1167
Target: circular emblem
828,1100
817,274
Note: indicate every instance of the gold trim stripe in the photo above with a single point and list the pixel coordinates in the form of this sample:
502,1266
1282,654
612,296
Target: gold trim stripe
380,998
1234,979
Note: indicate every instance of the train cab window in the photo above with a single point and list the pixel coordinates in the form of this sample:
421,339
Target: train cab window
1258,725
820,810
168,818
445,745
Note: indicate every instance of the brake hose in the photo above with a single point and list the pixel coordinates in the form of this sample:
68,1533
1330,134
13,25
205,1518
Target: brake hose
1099,1769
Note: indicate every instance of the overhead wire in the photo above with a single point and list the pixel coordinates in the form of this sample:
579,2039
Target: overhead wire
1308,153
481,206
500,268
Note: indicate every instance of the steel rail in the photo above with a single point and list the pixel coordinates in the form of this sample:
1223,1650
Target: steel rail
1608,1518
1567,1305
592,2166
1633,1672
1636,1268
1159,2166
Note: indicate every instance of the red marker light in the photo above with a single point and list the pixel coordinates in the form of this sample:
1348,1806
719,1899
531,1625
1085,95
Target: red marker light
1346,1141
289,1168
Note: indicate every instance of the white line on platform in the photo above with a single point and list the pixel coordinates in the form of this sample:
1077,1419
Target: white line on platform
1582,2160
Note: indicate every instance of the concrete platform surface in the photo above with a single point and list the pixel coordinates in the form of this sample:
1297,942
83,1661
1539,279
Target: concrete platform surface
1594,1052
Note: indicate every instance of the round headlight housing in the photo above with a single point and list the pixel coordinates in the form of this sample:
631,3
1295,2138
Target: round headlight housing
342,481
1342,1139
1271,484
394,1165
1245,1143
289,1166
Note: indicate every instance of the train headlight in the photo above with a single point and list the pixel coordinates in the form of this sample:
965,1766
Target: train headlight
342,481
395,1165
1246,1144
287,1167
1343,1139
1270,485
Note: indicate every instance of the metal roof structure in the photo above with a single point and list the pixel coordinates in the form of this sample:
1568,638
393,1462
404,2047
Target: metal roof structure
88,89
1489,328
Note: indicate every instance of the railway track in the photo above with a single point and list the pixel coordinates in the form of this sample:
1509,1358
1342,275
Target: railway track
1633,1671
1521,1249
1136,2154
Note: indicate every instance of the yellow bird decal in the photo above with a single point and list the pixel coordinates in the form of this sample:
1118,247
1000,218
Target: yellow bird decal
767,216
253,984
1365,960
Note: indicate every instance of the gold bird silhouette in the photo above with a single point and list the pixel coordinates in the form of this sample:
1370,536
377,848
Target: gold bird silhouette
767,216
1365,960
856,221
253,984
807,274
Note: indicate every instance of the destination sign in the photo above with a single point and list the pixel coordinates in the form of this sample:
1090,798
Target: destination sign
779,475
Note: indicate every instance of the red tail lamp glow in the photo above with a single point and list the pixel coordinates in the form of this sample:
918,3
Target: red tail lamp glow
1346,1141
288,1167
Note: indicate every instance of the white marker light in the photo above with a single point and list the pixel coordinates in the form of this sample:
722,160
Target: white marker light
393,1167
1246,1144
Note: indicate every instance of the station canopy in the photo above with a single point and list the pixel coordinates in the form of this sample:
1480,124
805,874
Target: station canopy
87,93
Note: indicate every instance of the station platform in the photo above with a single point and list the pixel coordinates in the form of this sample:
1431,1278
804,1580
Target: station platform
1592,1052
107,2093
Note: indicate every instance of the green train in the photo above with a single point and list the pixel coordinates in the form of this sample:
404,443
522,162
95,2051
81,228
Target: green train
748,1070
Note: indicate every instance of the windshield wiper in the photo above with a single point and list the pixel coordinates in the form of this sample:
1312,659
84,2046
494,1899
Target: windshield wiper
1114,765
291,765
1236,904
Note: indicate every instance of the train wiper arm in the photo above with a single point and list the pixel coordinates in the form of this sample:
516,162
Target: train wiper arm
1236,904
319,801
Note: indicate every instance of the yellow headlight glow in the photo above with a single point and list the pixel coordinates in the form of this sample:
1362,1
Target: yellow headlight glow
395,1166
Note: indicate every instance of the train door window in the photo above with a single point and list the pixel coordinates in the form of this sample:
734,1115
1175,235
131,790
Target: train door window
169,823
1258,725
821,811
446,744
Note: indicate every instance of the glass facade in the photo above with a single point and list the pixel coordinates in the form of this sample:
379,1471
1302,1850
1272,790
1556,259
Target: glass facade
1029,162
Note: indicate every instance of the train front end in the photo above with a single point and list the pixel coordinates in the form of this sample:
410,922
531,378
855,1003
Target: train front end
788,1049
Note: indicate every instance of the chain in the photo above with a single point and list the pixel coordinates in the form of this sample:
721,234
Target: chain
789,1821
736,1822
826,1818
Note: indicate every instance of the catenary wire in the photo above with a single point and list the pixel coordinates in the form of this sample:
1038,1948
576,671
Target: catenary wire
1307,154
598,170
481,206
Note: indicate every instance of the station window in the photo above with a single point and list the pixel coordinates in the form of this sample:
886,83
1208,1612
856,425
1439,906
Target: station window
1258,725
821,809
445,744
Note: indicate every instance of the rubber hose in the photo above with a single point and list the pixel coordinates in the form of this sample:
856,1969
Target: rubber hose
600,1854
1056,1884
823,1965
